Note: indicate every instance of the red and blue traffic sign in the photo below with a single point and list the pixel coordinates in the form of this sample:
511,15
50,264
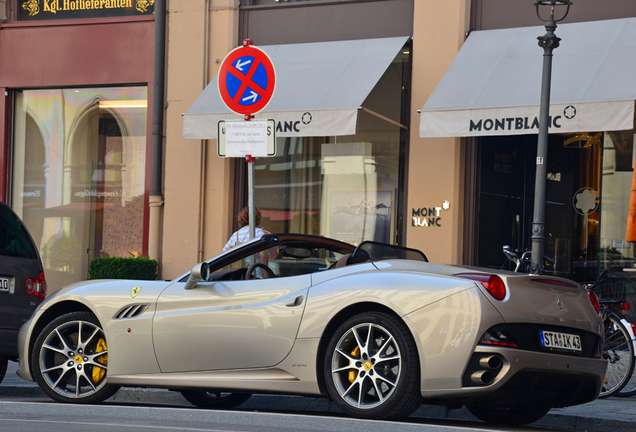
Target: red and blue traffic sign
246,79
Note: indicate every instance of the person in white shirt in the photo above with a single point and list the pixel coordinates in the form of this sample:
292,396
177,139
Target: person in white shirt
243,233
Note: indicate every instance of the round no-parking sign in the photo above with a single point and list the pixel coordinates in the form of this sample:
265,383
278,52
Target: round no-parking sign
246,79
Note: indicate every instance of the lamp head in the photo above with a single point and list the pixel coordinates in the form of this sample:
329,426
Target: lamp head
552,4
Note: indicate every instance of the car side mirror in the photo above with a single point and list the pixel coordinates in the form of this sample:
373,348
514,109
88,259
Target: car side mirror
199,273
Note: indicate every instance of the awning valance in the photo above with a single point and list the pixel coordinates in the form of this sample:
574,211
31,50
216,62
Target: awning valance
320,87
493,86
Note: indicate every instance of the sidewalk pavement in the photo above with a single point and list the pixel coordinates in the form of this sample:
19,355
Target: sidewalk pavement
603,415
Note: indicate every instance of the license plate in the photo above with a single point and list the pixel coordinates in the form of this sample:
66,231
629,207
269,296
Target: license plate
559,340
5,284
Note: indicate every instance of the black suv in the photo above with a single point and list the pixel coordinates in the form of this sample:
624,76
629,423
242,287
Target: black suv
22,283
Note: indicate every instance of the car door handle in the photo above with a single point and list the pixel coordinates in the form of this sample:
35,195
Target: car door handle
295,302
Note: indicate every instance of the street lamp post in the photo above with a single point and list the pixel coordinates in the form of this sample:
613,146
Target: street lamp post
548,42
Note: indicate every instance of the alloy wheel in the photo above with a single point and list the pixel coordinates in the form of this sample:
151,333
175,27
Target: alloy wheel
73,359
366,366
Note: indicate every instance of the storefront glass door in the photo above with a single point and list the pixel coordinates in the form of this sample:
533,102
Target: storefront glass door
587,202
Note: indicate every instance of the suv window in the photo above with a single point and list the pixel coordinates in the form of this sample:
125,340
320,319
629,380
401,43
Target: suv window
14,239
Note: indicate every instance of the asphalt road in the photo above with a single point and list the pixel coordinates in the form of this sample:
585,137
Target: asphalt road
22,416
24,407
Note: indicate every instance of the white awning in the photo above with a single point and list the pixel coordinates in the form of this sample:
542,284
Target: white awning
493,86
320,87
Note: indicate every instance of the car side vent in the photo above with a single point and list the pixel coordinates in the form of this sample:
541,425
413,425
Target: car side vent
131,311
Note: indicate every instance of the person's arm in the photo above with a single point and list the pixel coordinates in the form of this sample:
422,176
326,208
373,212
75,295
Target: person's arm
264,258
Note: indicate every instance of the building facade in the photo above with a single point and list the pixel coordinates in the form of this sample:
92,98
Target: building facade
351,162
466,196
590,160
76,78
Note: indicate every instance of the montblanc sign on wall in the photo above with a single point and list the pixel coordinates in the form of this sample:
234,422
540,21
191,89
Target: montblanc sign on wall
429,216
31,10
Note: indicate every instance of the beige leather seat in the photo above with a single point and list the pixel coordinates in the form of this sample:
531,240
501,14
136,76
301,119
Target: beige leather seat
342,261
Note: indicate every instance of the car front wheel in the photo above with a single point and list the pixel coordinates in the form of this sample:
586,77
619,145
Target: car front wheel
372,368
70,360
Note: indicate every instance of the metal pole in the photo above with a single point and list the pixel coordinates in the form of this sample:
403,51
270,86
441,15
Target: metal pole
250,199
156,198
548,42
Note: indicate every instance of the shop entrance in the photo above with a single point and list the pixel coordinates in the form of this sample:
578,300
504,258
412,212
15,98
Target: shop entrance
587,193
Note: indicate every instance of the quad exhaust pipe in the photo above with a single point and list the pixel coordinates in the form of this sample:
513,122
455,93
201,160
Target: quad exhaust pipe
482,377
492,363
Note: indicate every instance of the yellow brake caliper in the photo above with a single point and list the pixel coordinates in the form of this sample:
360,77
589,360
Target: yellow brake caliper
98,373
353,374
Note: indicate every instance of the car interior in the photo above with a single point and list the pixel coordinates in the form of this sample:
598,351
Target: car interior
294,256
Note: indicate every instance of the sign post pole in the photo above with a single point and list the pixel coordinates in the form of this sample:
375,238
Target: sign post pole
250,181
246,83
250,200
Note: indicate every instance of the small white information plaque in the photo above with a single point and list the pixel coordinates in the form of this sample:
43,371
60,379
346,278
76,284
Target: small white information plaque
242,138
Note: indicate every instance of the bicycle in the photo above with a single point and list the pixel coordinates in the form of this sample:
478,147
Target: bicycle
618,344
523,261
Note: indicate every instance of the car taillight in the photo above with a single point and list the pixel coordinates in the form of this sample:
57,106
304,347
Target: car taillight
36,286
493,283
43,286
594,300
498,335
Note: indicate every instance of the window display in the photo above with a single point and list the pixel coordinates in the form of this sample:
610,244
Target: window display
79,160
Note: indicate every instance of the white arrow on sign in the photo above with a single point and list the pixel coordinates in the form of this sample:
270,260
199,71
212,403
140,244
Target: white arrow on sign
253,96
240,65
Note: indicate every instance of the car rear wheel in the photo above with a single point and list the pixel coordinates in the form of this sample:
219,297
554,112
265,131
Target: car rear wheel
70,360
3,367
508,416
214,399
371,367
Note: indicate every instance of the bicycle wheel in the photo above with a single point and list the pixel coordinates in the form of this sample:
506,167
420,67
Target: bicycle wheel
619,353
629,389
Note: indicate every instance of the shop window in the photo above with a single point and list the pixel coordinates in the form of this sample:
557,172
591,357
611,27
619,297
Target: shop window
79,163
346,187
587,202
616,249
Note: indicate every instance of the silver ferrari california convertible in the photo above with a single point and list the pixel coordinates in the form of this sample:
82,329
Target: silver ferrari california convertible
376,328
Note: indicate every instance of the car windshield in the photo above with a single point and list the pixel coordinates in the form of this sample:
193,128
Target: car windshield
289,255
14,238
